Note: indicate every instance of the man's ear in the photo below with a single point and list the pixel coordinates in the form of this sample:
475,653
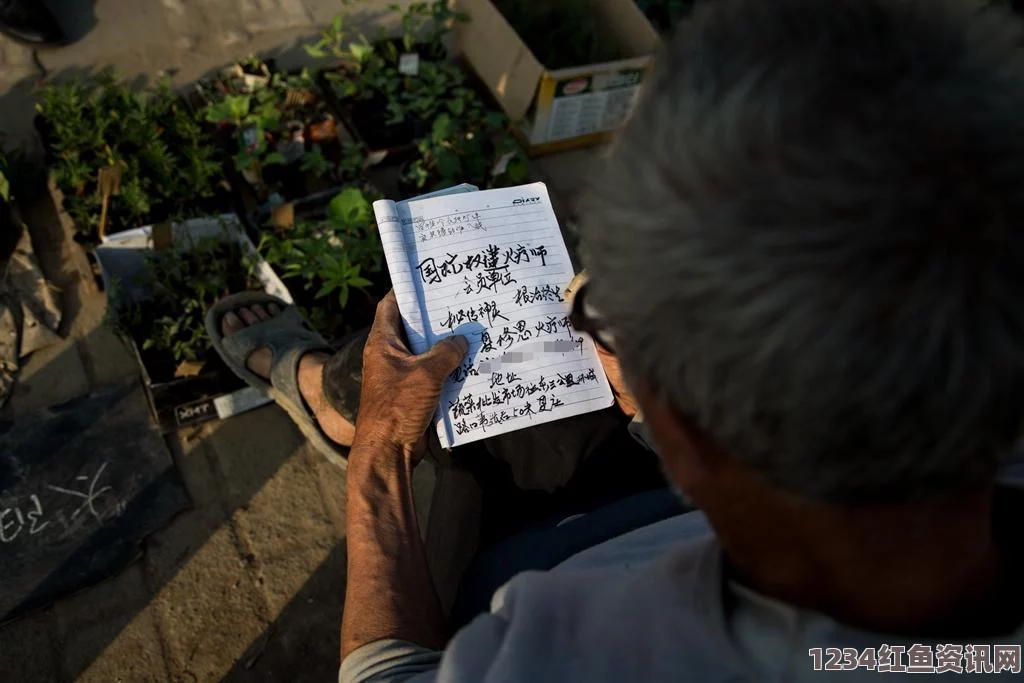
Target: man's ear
690,457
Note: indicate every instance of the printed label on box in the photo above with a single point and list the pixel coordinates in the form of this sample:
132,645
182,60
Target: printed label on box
195,413
593,104
239,401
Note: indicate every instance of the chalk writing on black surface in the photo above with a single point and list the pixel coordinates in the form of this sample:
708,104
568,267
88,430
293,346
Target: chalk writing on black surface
76,505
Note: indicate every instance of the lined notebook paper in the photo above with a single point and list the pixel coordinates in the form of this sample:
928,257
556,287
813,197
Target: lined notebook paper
492,266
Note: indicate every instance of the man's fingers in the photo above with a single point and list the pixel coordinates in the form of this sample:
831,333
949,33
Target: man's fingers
446,355
387,324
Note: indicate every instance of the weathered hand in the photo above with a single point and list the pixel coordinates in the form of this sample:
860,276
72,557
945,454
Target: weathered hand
613,371
401,390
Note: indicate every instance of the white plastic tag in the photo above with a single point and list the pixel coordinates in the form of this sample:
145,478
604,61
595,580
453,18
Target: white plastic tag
502,164
409,64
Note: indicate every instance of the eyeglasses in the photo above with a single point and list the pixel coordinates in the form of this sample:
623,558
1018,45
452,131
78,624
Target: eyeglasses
585,318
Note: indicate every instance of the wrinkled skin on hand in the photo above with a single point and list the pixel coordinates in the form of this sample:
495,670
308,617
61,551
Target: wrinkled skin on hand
401,390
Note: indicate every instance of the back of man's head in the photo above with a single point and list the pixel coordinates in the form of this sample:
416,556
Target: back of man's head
810,240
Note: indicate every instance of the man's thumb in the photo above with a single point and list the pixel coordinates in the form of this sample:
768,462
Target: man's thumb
446,354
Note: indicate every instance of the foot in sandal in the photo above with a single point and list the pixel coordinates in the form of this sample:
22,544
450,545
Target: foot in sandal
310,371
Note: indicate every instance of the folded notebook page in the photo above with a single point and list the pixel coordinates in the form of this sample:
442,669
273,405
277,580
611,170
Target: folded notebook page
492,266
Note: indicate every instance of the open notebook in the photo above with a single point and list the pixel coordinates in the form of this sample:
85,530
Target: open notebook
492,266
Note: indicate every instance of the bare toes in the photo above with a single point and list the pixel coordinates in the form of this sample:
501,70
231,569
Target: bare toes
230,323
274,309
248,316
260,312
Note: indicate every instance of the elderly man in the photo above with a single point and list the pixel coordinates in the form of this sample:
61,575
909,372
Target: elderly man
807,251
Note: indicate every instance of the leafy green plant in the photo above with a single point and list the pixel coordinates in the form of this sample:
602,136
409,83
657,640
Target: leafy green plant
269,125
240,78
322,261
370,76
477,147
560,34
252,116
315,162
424,24
168,162
181,283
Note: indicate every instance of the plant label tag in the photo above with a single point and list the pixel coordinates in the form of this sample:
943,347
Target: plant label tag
282,216
375,157
239,402
502,164
252,82
251,138
409,64
108,181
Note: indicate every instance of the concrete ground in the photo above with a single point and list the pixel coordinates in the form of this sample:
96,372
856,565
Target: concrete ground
248,583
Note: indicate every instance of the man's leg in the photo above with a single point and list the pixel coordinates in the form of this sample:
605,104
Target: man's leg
546,545
605,467
541,458
310,375
545,457
343,376
587,459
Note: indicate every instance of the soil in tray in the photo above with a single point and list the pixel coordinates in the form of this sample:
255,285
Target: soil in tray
161,368
368,119
169,327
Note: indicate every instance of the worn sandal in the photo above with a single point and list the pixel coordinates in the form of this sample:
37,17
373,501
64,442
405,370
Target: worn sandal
288,338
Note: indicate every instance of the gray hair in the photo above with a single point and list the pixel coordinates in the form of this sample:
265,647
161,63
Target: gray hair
810,240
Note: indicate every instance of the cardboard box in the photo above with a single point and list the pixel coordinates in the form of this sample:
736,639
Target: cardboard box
210,395
565,108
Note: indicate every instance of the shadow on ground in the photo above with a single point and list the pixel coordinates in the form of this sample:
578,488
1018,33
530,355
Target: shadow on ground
302,644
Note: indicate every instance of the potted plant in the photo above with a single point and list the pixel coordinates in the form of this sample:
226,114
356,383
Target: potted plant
244,76
333,263
282,138
164,162
389,90
160,281
559,34
180,284
477,147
